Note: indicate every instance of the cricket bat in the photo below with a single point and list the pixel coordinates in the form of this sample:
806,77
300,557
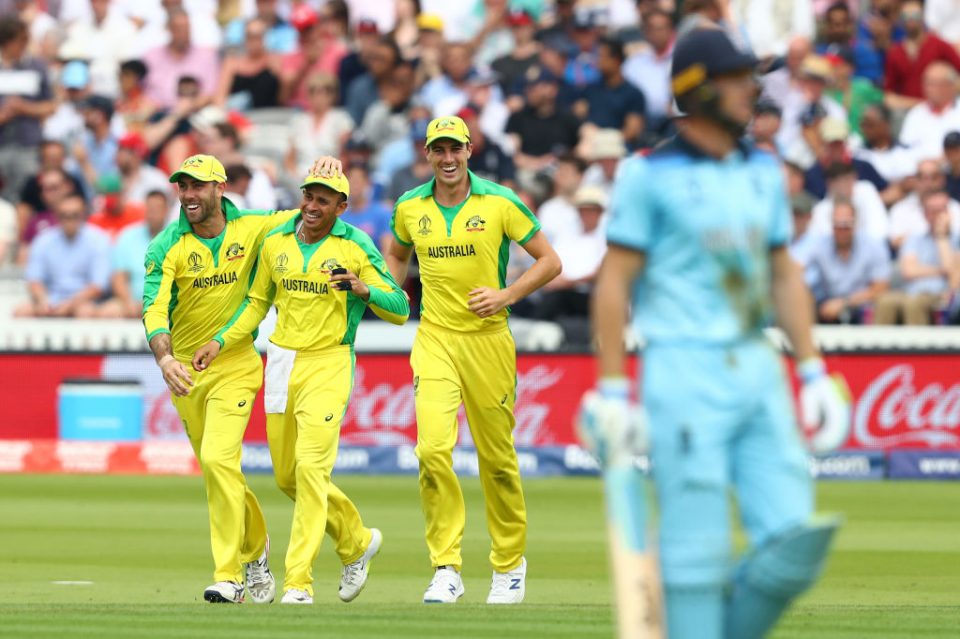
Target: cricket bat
636,572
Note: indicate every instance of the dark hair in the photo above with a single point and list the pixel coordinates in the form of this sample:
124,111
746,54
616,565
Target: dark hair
881,109
657,11
339,10
187,79
387,40
614,46
11,28
136,67
238,172
838,6
157,193
570,158
228,131
100,103
839,169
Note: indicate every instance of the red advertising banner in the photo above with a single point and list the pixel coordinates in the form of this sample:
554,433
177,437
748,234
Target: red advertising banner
902,400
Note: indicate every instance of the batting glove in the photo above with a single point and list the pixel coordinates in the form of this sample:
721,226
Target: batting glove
824,406
609,425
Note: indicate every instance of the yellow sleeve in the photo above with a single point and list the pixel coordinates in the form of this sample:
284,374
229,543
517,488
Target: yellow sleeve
279,218
158,290
387,299
519,223
399,227
254,308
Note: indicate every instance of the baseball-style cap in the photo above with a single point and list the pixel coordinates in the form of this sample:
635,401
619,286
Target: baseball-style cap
834,130
205,168
816,67
447,127
519,18
304,17
367,26
702,54
133,141
338,183
590,196
75,75
430,22
951,140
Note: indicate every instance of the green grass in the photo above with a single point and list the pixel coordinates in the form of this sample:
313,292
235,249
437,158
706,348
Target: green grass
143,543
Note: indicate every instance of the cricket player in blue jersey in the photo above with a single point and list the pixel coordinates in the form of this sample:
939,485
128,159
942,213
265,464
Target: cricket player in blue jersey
698,254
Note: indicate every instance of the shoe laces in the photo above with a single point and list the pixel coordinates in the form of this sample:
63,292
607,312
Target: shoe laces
500,584
352,572
257,571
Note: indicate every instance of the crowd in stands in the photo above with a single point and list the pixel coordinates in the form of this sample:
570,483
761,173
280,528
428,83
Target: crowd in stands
101,99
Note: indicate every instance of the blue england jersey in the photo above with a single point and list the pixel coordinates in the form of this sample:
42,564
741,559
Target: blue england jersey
706,227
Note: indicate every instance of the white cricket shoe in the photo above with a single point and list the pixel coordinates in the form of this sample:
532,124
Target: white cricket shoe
509,587
445,587
354,575
224,592
296,596
260,583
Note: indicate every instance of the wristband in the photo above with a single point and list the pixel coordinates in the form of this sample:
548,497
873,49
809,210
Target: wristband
163,360
614,387
810,369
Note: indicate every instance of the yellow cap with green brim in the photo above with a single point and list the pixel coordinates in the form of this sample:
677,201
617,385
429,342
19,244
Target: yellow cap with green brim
336,182
447,127
204,168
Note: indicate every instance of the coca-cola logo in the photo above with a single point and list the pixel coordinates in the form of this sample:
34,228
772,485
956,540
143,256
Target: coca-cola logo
892,412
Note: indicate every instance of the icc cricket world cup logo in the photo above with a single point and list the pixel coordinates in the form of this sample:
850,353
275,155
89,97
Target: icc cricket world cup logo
281,266
424,225
196,263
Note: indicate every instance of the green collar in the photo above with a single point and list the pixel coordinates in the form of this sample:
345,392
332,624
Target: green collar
290,226
477,186
229,208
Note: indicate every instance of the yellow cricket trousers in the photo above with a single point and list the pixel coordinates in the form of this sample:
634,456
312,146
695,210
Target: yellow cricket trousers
303,446
478,369
215,415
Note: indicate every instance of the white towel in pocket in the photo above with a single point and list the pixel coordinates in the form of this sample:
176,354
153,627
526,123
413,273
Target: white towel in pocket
277,378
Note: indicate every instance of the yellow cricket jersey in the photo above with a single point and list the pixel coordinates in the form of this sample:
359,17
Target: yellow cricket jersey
194,285
462,249
311,313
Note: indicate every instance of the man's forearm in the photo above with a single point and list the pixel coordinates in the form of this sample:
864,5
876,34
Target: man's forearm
608,309
398,268
543,270
792,306
161,345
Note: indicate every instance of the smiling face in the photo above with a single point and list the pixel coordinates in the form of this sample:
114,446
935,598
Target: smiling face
449,160
200,200
320,207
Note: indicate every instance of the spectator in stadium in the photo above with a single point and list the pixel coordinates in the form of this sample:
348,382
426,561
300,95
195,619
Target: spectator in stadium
23,106
766,123
405,32
805,108
335,19
831,147
366,213
802,242
52,155
553,57
542,128
43,28
178,58
560,28
769,27
583,67
139,178
488,31
205,29
510,68
55,184
387,119
457,64
944,15
879,28
8,233
418,171
907,217
838,35
115,213
928,268
649,68
843,185
487,159
849,269
380,61
892,160
951,151
926,124
854,93
580,252
66,122
320,130
366,35
611,102
104,39
315,52
278,37
69,266
222,140
250,78
605,150
908,61
558,215
429,46
96,152
133,105
126,280
169,132
239,177
483,96
785,84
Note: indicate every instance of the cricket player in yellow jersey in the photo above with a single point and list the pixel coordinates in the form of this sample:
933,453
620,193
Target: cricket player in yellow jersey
197,274
460,227
322,274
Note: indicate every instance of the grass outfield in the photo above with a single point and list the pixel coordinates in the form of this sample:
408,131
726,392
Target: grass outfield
142,541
